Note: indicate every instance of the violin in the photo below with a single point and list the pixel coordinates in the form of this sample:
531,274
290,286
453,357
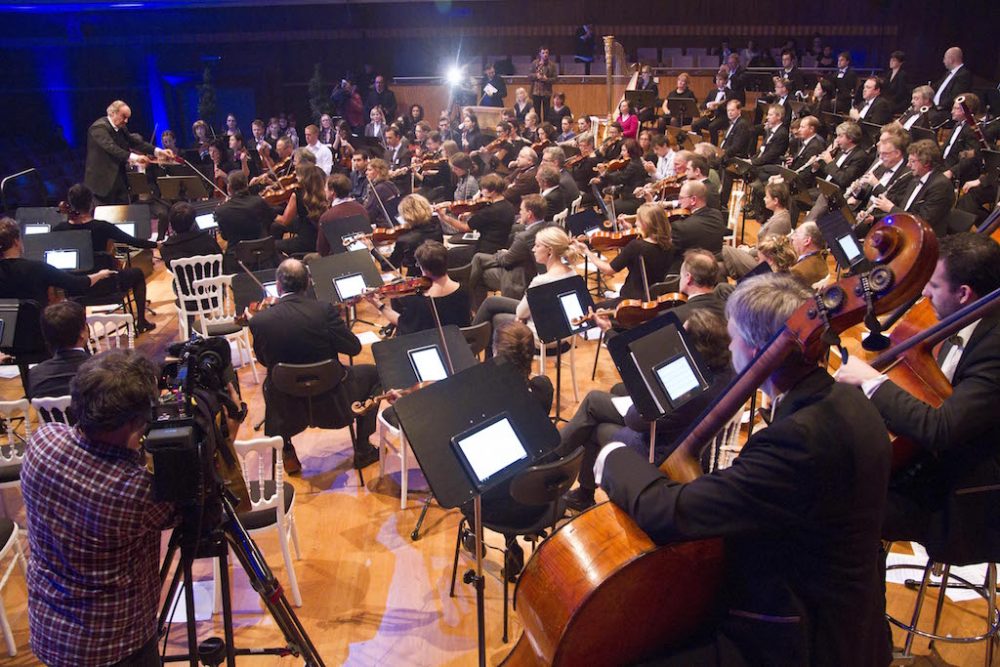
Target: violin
573,161
397,288
379,236
613,165
633,312
281,191
243,319
360,408
602,241
604,566
663,185
460,207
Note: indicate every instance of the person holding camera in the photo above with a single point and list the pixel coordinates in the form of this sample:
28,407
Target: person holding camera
93,525
301,330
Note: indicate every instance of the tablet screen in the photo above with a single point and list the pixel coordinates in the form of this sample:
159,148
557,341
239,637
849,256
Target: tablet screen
349,286
127,227
572,310
271,289
205,221
352,243
427,364
489,449
62,259
850,248
37,228
677,377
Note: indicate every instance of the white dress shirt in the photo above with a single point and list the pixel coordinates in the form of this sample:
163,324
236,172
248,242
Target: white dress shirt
324,156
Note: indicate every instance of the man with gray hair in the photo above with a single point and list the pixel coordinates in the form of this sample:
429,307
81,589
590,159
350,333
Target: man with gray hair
521,180
110,148
298,329
556,156
551,191
800,514
810,268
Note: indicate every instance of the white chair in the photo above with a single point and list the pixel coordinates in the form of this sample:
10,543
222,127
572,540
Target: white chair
272,501
544,352
185,271
560,218
574,207
107,331
52,408
387,432
10,546
214,313
13,413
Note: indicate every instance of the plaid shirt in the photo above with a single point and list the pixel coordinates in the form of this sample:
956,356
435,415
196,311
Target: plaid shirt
467,188
94,530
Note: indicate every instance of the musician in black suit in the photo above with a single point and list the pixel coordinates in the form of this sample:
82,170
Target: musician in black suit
736,78
790,72
930,194
244,217
918,114
715,105
110,148
961,152
64,328
957,80
704,228
799,513
736,136
552,192
897,85
300,330
873,108
890,177
851,160
947,498
398,156
845,81
775,138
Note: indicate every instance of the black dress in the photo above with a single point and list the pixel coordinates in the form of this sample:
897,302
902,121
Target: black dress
415,311
657,262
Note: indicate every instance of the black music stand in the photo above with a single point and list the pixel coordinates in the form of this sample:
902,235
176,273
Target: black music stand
22,335
832,120
434,420
181,188
870,132
8,322
846,247
682,108
660,368
553,306
42,215
640,99
326,270
373,146
338,229
127,214
585,223
80,240
138,184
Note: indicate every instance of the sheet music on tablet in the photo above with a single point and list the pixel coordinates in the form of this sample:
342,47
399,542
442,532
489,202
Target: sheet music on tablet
349,286
271,289
490,449
572,309
677,377
427,363
67,260
356,245
850,248
127,227
206,221
37,228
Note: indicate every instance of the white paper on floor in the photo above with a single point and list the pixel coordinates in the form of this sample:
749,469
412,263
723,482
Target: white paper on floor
590,334
368,337
204,601
973,573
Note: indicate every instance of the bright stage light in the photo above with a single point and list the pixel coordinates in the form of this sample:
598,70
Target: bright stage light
454,76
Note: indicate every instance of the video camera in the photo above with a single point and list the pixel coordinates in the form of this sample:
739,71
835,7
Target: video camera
188,428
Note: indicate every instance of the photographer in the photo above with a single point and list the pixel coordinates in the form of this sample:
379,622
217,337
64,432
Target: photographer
93,526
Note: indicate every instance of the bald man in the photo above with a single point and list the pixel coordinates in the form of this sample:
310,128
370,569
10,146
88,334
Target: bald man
956,80
111,148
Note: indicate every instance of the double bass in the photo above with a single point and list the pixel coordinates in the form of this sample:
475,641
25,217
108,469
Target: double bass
601,566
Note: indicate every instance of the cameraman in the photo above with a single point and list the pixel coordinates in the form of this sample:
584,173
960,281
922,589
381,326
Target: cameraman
93,527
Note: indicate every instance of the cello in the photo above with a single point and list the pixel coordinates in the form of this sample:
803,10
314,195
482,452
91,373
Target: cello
600,565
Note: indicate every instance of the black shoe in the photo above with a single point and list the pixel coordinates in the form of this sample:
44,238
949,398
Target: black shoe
144,326
365,457
514,561
579,498
387,331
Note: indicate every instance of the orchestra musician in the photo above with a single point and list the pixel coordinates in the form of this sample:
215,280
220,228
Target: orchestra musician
243,217
715,117
790,72
559,110
627,120
946,498
566,132
358,176
845,82
897,86
418,219
961,153
646,81
493,223
341,147
810,266
736,139
628,179
380,193
110,149
302,212
556,199
555,156
343,204
918,113
851,159
300,330
543,73
435,181
740,260
681,91
522,181
929,194
704,228
957,80
873,108
800,516
104,236
492,88
585,168
283,167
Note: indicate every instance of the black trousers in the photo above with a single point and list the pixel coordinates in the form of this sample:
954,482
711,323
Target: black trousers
595,423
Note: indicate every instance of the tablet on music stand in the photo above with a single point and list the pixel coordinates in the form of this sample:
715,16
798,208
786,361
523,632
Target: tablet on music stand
67,259
48,215
349,286
585,222
679,379
136,215
325,269
181,188
573,312
554,305
271,289
839,235
427,363
206,221
338,230
77,240
36,228
491,451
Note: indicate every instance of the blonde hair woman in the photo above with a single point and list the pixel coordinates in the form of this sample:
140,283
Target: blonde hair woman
417,215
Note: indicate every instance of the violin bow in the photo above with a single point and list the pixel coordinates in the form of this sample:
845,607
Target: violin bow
252,276
645,278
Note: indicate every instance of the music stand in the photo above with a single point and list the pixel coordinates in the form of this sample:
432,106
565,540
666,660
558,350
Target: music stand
337,229
431,418
640,99
553,307
871,132
246,291
138,183
660,368
181,188
839,235
8,322
918,133
584,223
682,108
831,119
325,270
371,145
127,214
38,215
79,240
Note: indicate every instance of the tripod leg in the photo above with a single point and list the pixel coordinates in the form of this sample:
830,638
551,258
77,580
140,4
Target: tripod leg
227,604
192,629
415,535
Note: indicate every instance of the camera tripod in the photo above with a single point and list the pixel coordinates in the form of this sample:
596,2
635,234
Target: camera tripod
229,532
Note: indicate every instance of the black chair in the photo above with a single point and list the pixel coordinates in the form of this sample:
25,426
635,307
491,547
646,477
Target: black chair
959,221
460,274
308,381
478,337
537,486
27,345
257,254
671,283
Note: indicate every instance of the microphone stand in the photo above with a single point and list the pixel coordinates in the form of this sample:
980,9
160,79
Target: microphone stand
3,184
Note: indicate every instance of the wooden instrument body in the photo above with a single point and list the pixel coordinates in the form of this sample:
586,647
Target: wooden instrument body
633,312
601,241
570,620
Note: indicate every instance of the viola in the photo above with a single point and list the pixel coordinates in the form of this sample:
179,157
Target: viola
397,288
540,145
372,402
602,564
573,161
379,236
460,207
633,312
613,165
602,241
